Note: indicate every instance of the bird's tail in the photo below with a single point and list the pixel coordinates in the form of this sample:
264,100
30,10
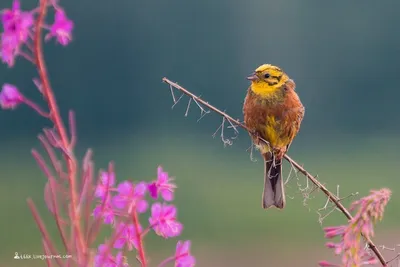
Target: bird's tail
274,192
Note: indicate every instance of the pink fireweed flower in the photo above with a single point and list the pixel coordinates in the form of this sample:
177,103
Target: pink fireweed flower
327,264
369,261
17,25
120,260
163,220
337,246
373,205
131,196
104,211
17,22
182,255
9,48
104,258
369,210
61,28
10,97
333,231
107,181
162,185
128,236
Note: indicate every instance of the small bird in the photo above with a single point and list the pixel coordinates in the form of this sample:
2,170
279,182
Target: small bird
272,111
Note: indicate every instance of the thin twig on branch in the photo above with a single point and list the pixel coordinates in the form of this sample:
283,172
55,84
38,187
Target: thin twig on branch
310,177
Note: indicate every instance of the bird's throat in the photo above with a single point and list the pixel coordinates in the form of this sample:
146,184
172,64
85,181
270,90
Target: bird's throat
265,91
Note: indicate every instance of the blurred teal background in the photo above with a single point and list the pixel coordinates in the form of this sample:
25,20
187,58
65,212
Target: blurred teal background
342,55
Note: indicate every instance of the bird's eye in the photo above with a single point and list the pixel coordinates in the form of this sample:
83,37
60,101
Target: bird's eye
266,75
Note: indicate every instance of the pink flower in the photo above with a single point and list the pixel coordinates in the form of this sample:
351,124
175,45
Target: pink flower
105,259
182,255
9,48
369,210
370,261
61,28
163,220
131,196
105,211
127,237
107,181
327,264
120,260
17,25
162,185
337,246
10,97
374,204
333,231
17,22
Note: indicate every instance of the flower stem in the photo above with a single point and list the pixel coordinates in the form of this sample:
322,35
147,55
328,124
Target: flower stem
26,56
139,237
42,228
144,233
36,108
55,117
166,261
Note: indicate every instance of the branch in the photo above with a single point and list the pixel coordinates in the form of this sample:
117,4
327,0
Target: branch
296,165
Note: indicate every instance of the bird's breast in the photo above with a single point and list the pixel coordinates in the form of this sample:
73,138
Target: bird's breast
274,121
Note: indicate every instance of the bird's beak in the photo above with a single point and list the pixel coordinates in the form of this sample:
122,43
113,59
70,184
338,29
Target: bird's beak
253,77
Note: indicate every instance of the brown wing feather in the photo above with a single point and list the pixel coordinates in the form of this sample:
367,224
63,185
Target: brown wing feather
293,115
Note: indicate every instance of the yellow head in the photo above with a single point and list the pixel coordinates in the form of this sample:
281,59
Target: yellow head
267,80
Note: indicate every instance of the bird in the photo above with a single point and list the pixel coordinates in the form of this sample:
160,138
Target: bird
272,112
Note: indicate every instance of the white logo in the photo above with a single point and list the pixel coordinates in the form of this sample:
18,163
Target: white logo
39,257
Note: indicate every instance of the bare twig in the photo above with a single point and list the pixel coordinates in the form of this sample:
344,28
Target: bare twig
203,112
221,127
332,207
392,249
251,149
393,259
296,165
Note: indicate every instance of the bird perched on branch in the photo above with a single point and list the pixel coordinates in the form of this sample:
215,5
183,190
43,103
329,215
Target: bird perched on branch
272,112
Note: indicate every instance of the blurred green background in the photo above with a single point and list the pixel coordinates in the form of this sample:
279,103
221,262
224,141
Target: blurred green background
342,55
